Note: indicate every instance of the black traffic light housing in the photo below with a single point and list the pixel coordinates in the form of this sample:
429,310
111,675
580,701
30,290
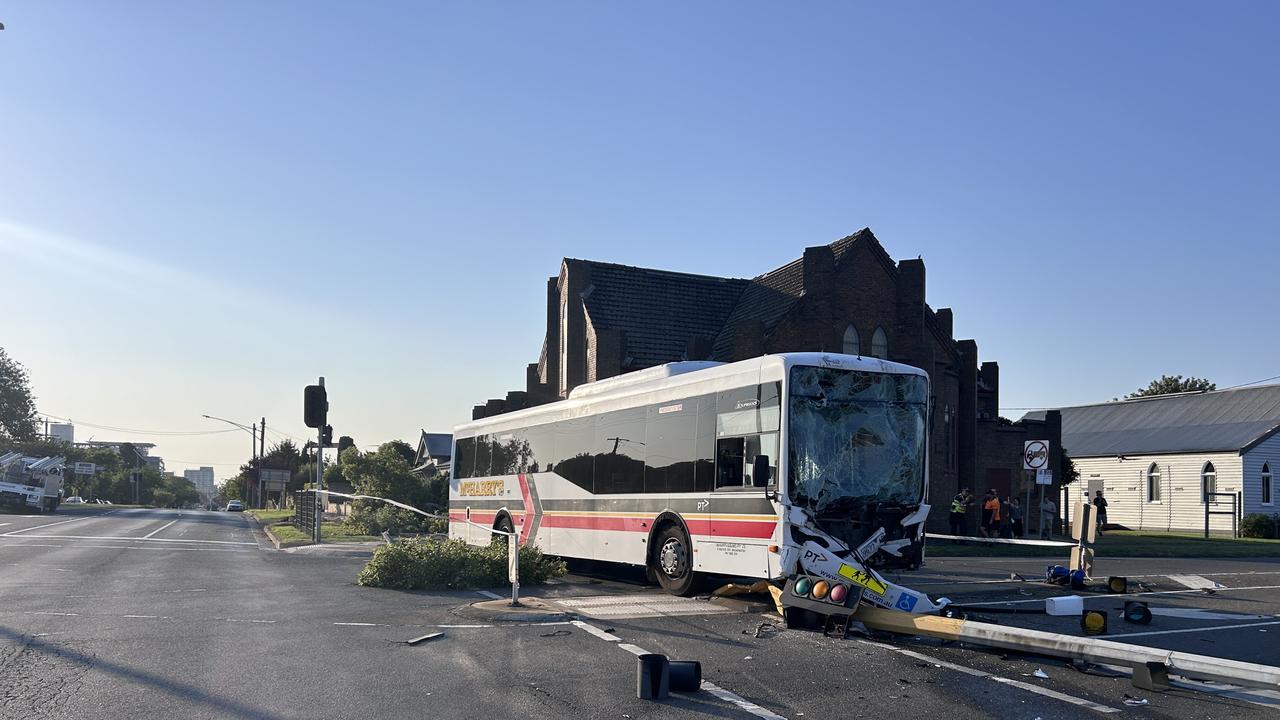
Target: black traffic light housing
315,406
326,436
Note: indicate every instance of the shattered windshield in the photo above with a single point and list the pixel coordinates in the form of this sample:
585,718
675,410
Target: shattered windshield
855,435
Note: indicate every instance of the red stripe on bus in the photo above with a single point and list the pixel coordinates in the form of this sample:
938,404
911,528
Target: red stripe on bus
759,529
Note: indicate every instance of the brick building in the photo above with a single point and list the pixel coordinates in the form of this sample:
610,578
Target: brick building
850,296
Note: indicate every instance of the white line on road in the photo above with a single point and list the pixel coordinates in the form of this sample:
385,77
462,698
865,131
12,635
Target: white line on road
741,702
39,612
360,624
1152,592
1209,628
1195,582
3,524
984,674
1196,614
39,527
153,532
721,693
148,617
123,539
490,595
588,627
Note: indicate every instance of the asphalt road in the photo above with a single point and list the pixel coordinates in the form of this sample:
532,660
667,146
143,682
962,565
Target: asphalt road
130,613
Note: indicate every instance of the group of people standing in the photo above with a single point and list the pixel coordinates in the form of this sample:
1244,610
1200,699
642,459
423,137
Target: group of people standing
1002,517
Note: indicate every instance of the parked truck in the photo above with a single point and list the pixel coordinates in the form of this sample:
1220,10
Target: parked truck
30,483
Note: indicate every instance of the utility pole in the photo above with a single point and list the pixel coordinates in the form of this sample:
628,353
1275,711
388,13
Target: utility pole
319,476
253,462
262,453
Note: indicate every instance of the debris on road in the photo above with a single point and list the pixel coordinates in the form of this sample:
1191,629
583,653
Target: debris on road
1135,701
557,633
424,638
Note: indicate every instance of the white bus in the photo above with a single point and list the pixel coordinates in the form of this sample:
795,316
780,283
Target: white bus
776,467
29,483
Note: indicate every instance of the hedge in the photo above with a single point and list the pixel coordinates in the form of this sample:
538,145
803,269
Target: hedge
429,563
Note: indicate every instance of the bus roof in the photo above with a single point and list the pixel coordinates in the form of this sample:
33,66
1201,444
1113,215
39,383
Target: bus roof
611,392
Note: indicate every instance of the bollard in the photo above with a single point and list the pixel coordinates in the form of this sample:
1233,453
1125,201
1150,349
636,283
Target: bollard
686,675
652,676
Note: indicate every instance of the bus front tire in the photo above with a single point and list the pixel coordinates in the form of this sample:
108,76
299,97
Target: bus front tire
672,560
503,525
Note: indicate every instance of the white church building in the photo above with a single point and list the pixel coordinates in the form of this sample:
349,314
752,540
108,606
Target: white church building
1156,458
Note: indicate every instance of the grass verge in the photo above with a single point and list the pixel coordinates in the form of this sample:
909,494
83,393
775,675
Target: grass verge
290,536
266,517
432,563
1124,543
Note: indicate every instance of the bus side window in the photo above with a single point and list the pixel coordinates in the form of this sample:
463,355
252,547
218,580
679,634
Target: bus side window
729,463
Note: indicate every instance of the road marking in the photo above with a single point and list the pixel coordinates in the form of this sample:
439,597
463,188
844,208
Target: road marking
721,693
1207,628
464,626
3,524
741,702
356,624
101,537
1081,702
37,612
148,617
607,637
633,606
39,527
490,595
261,622
1150,592
1195,582
1194,614
153,532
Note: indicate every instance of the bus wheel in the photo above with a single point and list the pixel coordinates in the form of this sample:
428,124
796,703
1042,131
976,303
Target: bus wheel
503,525
672,561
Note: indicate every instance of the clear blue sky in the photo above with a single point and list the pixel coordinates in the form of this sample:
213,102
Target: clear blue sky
1095,188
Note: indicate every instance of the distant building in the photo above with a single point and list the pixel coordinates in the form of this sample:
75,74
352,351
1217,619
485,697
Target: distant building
63,432
1156,458
434,450
203,480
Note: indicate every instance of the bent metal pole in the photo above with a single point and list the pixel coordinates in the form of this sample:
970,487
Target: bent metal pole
1189,665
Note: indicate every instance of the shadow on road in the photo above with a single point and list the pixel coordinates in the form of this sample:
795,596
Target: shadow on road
222,706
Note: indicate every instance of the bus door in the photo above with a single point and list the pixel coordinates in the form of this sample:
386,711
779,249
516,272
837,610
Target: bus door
742,520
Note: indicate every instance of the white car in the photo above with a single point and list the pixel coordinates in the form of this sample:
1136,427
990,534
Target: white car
235,506
73,500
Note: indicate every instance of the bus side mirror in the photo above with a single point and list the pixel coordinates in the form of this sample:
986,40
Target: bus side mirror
760,470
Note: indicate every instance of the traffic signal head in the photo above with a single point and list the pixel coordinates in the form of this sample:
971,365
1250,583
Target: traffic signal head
326,436
315,406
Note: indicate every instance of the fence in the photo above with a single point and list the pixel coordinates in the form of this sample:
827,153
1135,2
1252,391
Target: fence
304,511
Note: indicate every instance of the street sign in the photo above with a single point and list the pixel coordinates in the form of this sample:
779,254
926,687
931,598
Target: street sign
85,468
1035,454
1044,476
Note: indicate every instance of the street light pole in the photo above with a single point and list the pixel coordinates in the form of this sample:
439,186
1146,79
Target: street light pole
253,443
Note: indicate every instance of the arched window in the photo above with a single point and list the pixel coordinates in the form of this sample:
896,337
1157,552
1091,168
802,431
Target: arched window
1266,483
1208,482
1153,483
880,344
852,343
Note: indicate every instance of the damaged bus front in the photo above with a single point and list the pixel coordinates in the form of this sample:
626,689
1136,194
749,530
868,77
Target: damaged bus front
855,484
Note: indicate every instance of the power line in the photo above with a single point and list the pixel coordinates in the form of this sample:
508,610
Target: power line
137,431
1255,382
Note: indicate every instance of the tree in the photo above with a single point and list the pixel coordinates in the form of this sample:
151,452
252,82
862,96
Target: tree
1169,384
17,405
345,442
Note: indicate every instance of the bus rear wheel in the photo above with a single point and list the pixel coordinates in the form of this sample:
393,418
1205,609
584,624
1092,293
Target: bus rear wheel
672,560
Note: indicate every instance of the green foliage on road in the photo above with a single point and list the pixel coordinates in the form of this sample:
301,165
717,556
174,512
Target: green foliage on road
1123,544
439,564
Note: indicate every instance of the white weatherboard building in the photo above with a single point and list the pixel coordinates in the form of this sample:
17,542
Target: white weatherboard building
1155,458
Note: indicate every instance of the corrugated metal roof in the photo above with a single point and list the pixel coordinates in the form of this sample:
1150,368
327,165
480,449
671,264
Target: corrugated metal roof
1219,421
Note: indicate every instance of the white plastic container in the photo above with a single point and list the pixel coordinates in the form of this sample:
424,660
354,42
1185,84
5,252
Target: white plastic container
1066,605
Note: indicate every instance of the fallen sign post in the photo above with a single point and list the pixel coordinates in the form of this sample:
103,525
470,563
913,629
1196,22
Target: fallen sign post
1140,658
